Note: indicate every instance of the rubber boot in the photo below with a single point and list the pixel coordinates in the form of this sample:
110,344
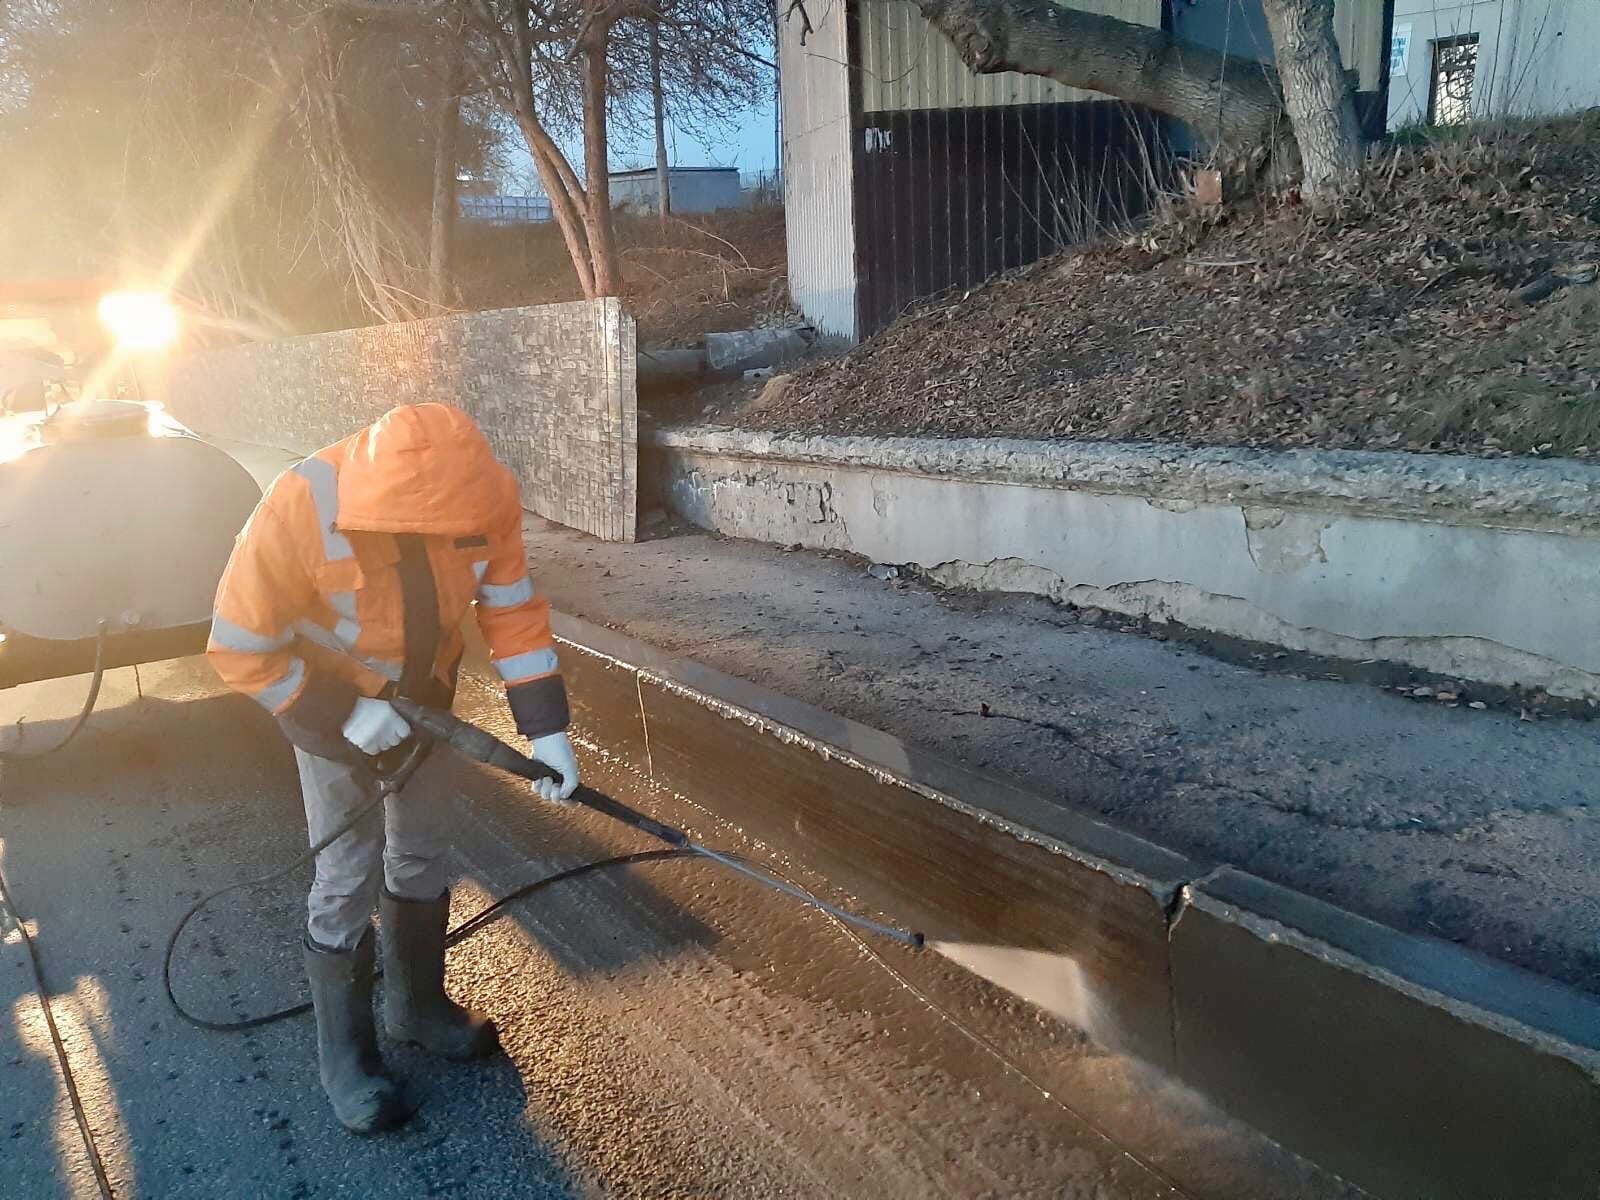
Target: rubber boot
415,1007
364,1097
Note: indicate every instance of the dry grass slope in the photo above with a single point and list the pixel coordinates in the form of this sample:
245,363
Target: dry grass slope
1401,323
682,278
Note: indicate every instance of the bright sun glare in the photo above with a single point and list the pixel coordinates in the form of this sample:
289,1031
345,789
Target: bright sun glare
140,320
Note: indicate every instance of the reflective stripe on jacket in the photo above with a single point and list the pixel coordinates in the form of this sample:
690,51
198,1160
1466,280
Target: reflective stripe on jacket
309,613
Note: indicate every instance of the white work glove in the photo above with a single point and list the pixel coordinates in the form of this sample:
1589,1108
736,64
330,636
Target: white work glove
555,750
374,726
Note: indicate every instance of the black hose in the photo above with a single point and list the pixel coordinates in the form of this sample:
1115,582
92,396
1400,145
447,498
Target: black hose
472,925
468,928
481,746
83,713
68,1079
384,787
102,1180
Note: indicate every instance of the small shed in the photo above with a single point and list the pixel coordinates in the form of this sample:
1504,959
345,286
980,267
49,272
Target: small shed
907,175
692,189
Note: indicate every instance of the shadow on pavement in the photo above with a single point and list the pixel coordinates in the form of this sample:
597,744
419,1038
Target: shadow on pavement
225,755
104,844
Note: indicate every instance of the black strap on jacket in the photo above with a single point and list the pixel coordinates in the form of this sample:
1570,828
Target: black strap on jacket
420,598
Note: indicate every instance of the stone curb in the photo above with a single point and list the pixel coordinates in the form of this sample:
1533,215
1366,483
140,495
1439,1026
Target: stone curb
1405,1064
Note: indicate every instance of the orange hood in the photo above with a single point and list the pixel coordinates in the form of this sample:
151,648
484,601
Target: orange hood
423,468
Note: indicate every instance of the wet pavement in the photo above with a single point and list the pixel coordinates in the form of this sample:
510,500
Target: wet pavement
671,1031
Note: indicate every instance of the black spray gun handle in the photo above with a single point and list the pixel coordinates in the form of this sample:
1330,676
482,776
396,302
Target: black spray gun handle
480,746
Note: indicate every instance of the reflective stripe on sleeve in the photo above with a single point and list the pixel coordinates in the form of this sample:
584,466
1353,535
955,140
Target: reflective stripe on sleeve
348,629
313,632
234,637
531,665
385,667
506,595
329,639
324,481
342,637
275,695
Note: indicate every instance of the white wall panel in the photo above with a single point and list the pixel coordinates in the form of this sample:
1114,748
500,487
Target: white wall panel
817,182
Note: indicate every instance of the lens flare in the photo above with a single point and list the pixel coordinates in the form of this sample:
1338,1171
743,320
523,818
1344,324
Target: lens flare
140,320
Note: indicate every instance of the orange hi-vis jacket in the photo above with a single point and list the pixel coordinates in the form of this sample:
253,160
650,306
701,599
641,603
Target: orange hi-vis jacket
327,593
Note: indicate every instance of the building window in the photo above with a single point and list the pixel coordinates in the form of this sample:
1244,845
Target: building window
1455,61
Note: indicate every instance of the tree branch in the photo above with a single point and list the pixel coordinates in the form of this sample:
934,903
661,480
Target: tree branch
1235,102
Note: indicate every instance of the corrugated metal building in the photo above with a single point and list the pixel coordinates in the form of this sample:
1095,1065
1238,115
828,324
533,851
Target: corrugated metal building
905,174
1239,27
503,210
1452,61
691,189
818,177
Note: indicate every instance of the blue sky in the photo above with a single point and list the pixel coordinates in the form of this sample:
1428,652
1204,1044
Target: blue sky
745,143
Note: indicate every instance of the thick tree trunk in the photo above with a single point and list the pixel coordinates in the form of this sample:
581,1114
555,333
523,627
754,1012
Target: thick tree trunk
564,203
1233,102
1317,96
597,169
513,53
441,228
659,103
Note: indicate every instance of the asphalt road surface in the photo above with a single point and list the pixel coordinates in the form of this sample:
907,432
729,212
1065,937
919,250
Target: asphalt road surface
672,1031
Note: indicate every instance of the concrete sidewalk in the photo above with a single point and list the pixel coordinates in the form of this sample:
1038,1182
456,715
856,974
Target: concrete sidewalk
1473,826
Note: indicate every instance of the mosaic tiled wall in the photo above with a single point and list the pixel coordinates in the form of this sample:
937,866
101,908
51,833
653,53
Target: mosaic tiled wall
552,387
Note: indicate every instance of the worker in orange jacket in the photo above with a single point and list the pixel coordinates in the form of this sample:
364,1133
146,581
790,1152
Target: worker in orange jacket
349,586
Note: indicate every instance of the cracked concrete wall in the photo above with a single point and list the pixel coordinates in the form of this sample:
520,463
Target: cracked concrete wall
1452,592
1558,496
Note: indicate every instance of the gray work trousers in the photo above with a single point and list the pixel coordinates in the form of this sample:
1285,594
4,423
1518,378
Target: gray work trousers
404,847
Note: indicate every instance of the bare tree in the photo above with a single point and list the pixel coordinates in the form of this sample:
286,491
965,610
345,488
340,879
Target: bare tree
1317,95
658,113
269,161
446,165
1236,103
519,50
713,64
593,44
289,162
572,66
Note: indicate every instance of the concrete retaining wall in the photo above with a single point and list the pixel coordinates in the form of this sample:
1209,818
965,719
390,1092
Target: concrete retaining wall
553,387
1407,1065
1477,570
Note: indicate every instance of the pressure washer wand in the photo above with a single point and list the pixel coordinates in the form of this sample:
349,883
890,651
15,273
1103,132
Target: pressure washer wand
481,746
